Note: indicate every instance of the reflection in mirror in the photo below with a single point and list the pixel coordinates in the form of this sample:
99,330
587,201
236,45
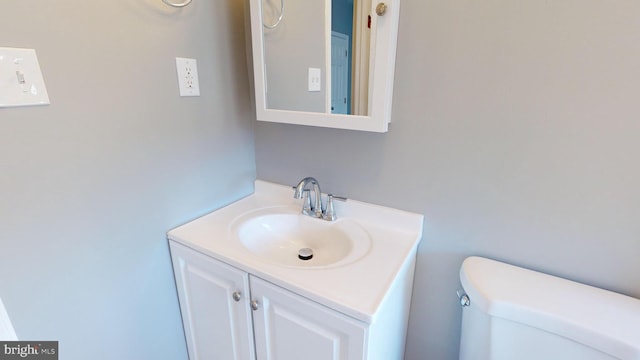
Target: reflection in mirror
350,38
291,49
315,63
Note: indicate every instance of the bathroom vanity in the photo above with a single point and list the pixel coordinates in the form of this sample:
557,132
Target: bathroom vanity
245,294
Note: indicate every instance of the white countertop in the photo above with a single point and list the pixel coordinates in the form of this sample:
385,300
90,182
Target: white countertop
356,289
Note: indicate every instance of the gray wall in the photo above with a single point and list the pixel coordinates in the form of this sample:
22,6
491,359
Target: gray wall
90,184
515,132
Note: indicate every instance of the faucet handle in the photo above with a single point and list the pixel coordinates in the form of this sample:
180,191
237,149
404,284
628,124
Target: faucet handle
329,212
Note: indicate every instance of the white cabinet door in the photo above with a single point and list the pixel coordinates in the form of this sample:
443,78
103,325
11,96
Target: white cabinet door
216,325
290,327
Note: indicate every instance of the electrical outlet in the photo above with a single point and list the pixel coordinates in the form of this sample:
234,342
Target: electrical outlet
188,77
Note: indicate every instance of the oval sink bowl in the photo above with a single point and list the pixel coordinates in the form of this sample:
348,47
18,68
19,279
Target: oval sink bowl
279,237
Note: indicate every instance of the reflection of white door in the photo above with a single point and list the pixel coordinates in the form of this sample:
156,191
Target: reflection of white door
339,72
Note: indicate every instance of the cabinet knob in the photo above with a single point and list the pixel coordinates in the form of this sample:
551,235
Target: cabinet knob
254,305
237,296
381,9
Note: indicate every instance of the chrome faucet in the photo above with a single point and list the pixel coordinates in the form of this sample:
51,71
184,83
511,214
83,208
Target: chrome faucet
315,208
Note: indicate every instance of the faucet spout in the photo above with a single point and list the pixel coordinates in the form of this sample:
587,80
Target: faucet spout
316,206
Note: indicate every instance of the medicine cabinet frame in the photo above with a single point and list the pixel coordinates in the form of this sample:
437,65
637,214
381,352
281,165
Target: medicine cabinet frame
384,34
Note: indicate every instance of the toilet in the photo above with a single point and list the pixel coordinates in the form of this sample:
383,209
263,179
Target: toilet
511,313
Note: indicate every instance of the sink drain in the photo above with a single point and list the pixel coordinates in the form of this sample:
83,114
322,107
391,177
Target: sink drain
305,254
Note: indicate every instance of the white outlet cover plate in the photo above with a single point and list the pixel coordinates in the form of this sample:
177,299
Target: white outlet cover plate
21,82
188,77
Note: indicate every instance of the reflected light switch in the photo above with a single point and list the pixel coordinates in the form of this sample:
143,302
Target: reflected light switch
314,79
21,82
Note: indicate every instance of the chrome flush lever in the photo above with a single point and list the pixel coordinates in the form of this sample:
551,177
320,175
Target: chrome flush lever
463,298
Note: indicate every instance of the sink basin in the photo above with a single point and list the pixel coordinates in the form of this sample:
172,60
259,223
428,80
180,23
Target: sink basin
278,236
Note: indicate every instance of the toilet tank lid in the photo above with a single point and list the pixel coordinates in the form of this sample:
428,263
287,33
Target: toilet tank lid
598,318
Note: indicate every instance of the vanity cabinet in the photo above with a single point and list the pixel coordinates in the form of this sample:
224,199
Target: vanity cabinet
230,314
216,325
242,298
290,327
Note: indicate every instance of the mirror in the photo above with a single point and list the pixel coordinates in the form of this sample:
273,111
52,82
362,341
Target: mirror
325,63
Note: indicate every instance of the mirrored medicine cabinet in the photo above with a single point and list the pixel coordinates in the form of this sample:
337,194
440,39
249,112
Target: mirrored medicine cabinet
326,63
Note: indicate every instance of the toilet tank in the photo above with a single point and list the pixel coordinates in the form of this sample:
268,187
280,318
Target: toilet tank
515,313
